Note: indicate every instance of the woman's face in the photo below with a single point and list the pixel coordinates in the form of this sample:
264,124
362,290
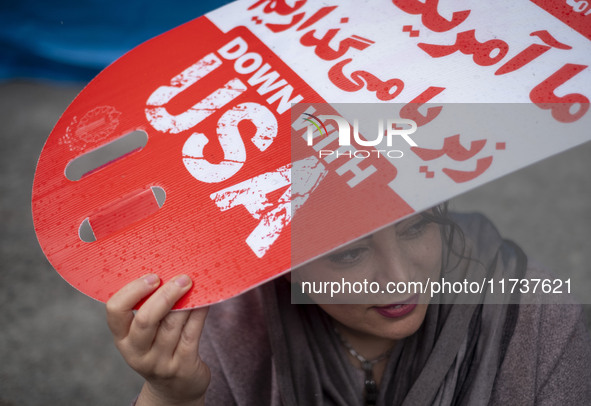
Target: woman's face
409,251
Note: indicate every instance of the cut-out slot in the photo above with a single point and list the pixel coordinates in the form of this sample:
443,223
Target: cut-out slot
121,213
105,155
85,232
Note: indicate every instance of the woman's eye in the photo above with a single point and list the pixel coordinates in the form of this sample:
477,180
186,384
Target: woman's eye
348,256
416,229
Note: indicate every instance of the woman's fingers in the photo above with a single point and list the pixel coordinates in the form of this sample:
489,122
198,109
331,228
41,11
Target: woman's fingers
120,306
169,332
161,345
187,346
146,322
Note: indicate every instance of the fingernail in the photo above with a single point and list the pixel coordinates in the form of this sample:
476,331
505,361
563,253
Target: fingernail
151,279
182,281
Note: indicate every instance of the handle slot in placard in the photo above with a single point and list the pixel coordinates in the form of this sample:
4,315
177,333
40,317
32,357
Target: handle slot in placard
121,213
105,155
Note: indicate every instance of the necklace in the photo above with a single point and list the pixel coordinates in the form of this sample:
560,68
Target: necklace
371,387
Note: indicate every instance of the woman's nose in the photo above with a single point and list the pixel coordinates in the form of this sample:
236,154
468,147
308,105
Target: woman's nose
392,264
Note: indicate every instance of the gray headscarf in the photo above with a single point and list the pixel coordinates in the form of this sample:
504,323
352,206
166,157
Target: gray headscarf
452,359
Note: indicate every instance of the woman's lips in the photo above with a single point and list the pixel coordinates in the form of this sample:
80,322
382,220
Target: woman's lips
399,309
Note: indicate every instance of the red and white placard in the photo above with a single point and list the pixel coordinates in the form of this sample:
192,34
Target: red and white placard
214,97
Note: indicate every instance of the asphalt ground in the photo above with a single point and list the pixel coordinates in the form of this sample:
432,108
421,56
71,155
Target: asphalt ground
55,347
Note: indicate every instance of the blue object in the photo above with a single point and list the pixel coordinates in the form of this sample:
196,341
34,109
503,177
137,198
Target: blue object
75,40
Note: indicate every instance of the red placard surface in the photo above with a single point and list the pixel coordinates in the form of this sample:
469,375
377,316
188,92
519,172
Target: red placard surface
184,91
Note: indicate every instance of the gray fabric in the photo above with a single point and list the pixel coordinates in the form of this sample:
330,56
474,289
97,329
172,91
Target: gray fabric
320,373
264,351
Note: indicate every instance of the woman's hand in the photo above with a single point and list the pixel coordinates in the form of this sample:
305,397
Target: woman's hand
161,345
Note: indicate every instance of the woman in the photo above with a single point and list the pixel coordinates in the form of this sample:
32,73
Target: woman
259,349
